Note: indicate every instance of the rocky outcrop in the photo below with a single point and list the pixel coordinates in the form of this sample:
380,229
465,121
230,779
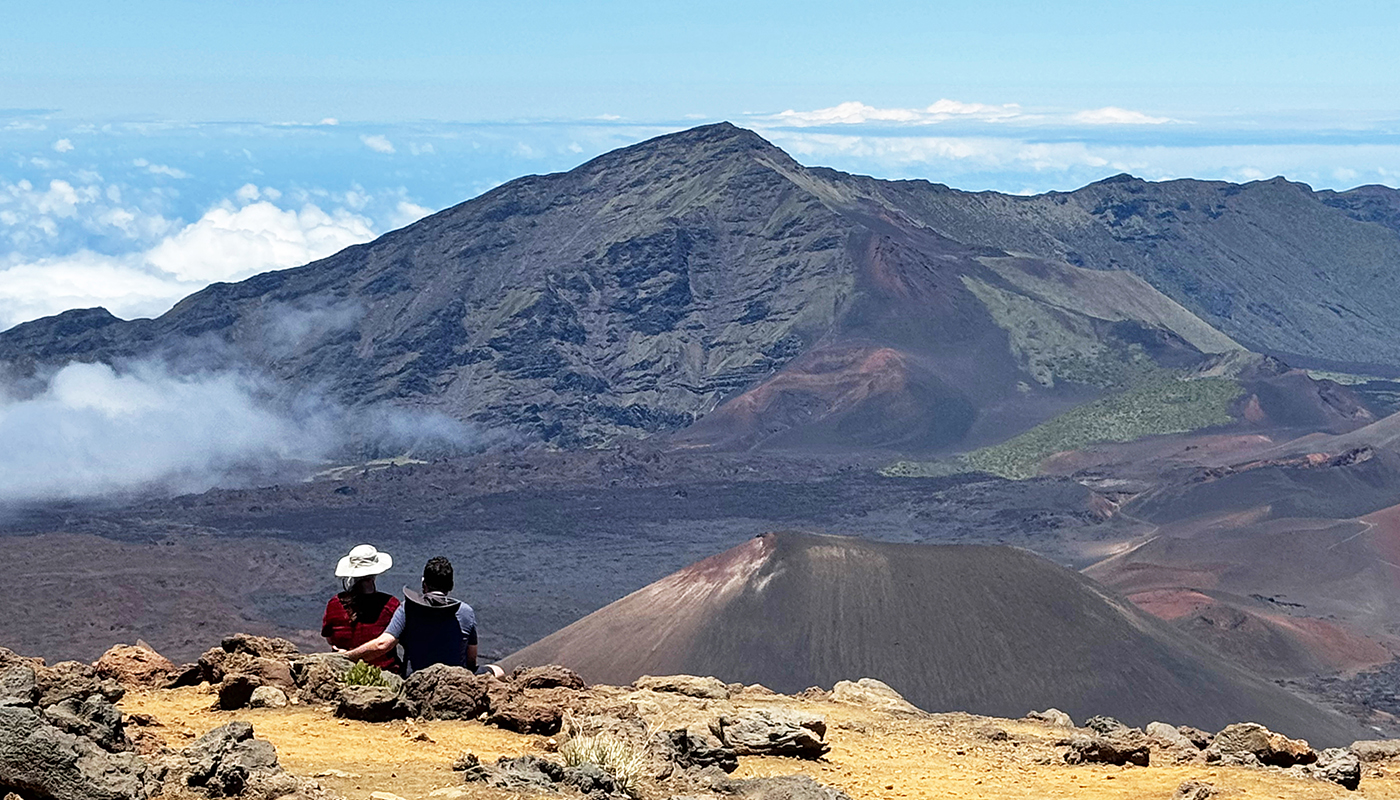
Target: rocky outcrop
1337,765
785,787
549,676
1376,750
689,685
40,759
266,659
229,761
683,750
319,676
1052,716
772,732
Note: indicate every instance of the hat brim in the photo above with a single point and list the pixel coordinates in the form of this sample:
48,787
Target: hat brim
382,564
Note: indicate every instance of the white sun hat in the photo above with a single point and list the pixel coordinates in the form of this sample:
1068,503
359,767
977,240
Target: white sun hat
363,560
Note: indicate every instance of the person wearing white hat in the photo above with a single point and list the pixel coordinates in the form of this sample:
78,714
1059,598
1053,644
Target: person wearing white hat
361,612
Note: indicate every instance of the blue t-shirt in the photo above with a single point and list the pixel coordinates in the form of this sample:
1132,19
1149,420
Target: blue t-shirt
431,635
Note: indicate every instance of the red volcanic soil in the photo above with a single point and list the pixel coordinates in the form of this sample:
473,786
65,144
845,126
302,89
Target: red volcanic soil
984,629
841,396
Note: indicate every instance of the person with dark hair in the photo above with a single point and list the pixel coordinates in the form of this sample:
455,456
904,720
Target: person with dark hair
432,627
360,612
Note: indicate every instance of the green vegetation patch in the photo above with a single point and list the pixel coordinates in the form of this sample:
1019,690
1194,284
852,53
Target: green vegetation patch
1163,403
365,674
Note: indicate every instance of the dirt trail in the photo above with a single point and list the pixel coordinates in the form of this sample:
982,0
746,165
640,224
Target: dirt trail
874,756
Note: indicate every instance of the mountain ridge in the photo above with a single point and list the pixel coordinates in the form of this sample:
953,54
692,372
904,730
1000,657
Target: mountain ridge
654,285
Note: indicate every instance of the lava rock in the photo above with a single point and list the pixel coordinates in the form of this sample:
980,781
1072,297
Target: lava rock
40,760
589,779
268,697
1169,736
786,787
1251,743
444,692
371,704
229,762
1104,726
135,666
73,679
551,676
236,691
1336,764
1123,747
1052,716
94,718
689,685
539,711
1195,790
18,685
1370,750
772,732
873,694
689,751
320,676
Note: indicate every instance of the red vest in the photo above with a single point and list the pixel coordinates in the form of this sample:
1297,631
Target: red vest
352,620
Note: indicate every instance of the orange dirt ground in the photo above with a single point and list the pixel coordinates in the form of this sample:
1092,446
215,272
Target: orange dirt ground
874,756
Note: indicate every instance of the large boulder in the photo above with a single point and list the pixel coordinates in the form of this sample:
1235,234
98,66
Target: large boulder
319,676
236,691
689,685
229,762
444,692
873,694
372,704
40,760
772,732
94,718
1052,716
1250,743
268,697
135,666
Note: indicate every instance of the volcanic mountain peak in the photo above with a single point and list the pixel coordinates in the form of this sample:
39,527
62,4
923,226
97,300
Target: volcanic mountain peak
659,284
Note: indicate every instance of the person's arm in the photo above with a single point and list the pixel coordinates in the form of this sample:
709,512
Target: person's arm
466,619
374,648
382,643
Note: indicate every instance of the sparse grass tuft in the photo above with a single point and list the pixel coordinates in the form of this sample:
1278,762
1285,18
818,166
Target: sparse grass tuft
614,754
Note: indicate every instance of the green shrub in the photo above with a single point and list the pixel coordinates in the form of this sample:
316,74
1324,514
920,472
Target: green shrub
365,674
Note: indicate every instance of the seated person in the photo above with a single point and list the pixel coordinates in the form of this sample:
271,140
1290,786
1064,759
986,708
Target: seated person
360,613
432,627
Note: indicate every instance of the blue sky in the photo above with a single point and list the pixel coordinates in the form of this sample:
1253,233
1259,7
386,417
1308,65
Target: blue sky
148,148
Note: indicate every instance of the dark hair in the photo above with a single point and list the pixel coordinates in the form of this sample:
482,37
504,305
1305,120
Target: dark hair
437,575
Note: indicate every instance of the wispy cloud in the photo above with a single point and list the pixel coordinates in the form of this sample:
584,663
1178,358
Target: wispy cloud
1112,115
855,113
160,169
63,146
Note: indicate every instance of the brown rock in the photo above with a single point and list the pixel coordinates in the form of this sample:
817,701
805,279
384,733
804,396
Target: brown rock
772,732
532,711
236,691
1194,790
371,704
1372,750
1118,748
873,694
135,666
551,676
443,692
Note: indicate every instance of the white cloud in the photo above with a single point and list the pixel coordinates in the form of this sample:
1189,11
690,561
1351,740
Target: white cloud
857,113
1112,115
231,241
378,143
406,213
331,121
160,169
424,149
63,146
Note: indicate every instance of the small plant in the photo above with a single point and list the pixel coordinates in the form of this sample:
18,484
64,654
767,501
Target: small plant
613,754
365,674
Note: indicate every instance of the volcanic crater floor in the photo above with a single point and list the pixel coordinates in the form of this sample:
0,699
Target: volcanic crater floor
874,754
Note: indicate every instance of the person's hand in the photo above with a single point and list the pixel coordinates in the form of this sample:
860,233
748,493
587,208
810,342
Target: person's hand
340,650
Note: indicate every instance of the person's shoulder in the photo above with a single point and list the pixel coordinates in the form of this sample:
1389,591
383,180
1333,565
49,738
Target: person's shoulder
389,600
